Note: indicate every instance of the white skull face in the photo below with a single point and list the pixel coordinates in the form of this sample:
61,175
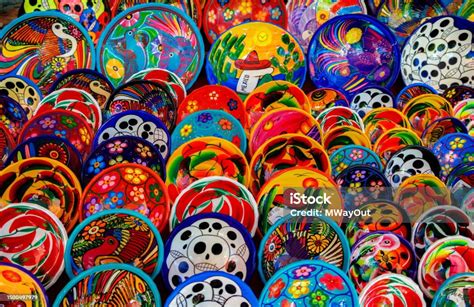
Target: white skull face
209,253
224,289
72,8
467,78
155,135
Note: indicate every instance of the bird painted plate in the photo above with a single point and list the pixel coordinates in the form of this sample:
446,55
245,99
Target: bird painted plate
325,98
12,115
116,283
381,120
22,90
129,186
48,146
214,123
115,236
42,46
123,149
90,81
136,123
146,96
216,194
149,36
351,155
46,182
28,235
65,124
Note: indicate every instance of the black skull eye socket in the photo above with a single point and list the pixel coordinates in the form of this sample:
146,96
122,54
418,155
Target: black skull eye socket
78,8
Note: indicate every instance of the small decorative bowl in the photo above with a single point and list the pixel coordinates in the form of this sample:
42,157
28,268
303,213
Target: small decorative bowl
378,121
440,128
216,194
325,98
455,291
339,116
212,289
116,282
452,150
460,181
351,155
294,238
394,140
12,115
19,282
411,91
115,236
208,242
445,258
341,136
371,98
311,281
369,258
464,111
22,90
28,235
458,93
394,290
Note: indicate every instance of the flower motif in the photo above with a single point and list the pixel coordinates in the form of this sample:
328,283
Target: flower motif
245,7
322,16
144,151
116,147
232,104
85,137
317,243
108,181
93,206
275,289
457,143
213,95
360,199
53,151
225,124
262,15
130,20
114,69
303,271
446,169
211,16
186,130
192,106
96,165
468,157
276,13
341,166
318,298
299,288
15,111
450,157
450,93
114,199
58,64
75,32
68,121
354,188
95,229
332,282
358,175
47,123
136,224
272,247
117,160
356,154
204,117
376,186
60,133
137,194
155,192
135,175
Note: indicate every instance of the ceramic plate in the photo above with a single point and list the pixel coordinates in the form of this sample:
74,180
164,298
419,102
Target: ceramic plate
325,98
22,90
351,155
12,115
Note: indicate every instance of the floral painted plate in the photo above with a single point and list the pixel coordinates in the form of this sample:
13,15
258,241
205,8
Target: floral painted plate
214,123
46,182
116,283
129,186
149,36
452,150
342,136
216,194
458,93
351,155
42,46
325,98
12,115
122,149
22,90
90,81
115,236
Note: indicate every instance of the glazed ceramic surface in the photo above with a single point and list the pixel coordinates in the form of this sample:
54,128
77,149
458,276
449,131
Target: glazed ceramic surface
324,98
394,140
378,121
351,155
456,290
411,91
22,90
440,128
12,115
371,98
451,150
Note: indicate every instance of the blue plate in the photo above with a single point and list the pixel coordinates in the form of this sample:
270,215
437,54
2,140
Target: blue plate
455,291
136,123
12,115
208,242
452,150
212,289
351,155
22,90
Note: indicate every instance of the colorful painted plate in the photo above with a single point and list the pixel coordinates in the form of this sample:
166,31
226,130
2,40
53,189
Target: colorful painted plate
7,144
445,258
118,284
48,146
351,52
461,180
285,151
369,258
370,98
253,53
115,236
457,290
215,123
22,90
394,290
61,123
393,140
216,194
213,289
278,122
213,97
440,128
381,120
12,115
464,111
341,136
123,149
325,98
149,36
219,16
452,150
91,81
17,281
146,96
208,242
339,116
274,95
312,281
411,91
46,182
351,155
458,93
382,215
204,157
136,123
275,201
305,17
44,45
28,235
129,186
295,238
438,53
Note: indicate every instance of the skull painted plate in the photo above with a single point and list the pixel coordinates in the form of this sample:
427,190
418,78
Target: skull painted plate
22,90
370,98
148,36
129,186
115,236
208,242
12,115
42,46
